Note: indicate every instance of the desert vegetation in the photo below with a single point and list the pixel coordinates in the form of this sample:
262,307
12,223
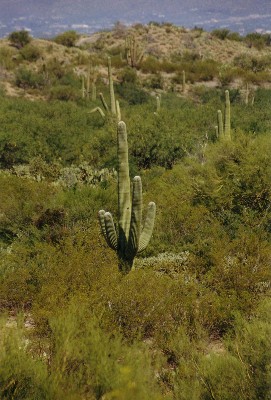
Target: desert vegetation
181,312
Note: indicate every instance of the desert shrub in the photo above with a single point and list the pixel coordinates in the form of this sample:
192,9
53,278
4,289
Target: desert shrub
25,78
63,93
54,68
226,75
67,38
21,375
221,34
28,198
235,36
30,52
204,70
19,39
128,75
150,65
257,40
155,82
8,61
235,368
255,64
131,93
79,359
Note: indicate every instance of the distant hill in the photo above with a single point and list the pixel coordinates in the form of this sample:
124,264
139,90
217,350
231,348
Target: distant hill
47,18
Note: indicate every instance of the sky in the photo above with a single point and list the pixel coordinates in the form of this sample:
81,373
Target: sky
47,16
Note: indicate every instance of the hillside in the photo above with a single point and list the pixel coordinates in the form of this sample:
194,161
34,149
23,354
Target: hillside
135,240
166,50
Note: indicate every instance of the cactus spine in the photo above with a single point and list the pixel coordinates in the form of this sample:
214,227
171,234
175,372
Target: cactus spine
227,125
130,238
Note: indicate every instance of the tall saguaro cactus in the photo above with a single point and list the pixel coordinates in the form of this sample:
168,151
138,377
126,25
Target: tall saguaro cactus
130,237
111,88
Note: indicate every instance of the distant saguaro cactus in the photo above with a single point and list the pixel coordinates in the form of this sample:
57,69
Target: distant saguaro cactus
227,123
130,237
114,104
134,55
224,130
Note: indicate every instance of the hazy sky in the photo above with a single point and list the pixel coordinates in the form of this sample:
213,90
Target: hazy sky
35,14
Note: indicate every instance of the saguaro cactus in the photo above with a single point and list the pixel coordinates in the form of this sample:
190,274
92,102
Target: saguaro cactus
111,88
130,237
220,125
224,131
227,124
133,55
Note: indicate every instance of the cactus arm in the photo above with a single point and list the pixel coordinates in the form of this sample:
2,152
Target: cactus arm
148,227
104,103
124,205
136,216
108,229
99,110
102,223
227,130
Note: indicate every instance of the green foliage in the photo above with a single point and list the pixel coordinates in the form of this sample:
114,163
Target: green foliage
188,315
221,34
67,38
8,57
25,78
132,93
81,359
19,39
258,40
63,93
30,53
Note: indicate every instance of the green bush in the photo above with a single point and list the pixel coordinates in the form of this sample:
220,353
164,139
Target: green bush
25,78
30,53
132,94
19,39
68,38
64,93
221,34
